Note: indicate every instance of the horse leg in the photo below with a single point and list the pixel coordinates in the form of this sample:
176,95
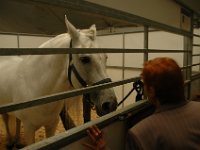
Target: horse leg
10,130
17,137
50,129
29,134
66,119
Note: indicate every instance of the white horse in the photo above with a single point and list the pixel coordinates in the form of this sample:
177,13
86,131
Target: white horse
25,78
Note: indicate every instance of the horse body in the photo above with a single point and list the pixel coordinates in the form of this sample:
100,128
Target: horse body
29,77
38,77
33,76
8,76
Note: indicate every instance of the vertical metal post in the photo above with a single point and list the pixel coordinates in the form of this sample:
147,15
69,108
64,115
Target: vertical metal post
146,47
146,42
18,44
123,65
187,62
188,42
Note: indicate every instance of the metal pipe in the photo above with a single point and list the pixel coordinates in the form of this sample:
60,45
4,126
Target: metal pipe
49,51
60,96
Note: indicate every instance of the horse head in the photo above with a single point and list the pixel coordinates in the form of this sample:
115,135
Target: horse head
90,69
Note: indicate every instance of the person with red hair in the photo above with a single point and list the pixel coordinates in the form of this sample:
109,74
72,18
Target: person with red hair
163,81
175,125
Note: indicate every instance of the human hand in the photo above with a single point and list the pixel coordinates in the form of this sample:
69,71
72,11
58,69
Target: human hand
98,140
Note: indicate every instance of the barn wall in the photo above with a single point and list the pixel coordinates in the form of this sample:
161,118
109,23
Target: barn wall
21,41
8,41
31,41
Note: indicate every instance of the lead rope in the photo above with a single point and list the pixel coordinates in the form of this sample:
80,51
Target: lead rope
139,87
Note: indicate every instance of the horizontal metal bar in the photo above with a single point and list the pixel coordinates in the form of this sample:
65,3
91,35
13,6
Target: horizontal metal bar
61,140
26,34
195,55
184,67
198,45
141,30
196,35
195,64
166,51
123,67
187,82
188,66
195,77
60,96
49,51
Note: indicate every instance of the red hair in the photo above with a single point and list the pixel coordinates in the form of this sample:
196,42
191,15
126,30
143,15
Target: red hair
165,76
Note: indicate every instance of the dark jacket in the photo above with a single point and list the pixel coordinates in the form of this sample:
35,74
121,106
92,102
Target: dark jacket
171,127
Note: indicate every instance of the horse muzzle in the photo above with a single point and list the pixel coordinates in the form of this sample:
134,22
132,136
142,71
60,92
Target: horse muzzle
106,107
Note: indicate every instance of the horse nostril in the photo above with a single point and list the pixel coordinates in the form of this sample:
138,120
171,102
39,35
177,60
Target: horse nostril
106,107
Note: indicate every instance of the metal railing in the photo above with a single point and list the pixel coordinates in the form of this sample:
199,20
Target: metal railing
63,95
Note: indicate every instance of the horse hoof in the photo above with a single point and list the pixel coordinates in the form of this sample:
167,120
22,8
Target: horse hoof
10,146
19,146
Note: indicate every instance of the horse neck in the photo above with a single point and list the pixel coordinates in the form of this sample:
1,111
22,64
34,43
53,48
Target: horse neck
50,67
60,41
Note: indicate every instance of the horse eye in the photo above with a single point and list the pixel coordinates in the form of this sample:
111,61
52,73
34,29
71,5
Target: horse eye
85,59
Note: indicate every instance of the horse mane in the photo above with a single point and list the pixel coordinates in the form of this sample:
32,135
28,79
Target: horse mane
59,41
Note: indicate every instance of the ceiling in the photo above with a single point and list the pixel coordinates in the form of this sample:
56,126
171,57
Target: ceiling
27,16
47,17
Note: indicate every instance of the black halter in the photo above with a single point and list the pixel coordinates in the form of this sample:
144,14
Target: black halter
73,69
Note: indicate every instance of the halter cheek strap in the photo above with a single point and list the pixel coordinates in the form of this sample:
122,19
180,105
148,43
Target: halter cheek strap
78,77
70,68
73,69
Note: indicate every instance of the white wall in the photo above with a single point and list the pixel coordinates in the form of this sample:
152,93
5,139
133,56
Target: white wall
112,41
21,41
167,41
8,41
31,41
134,41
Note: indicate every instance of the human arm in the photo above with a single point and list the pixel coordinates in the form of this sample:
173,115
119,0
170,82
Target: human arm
98,141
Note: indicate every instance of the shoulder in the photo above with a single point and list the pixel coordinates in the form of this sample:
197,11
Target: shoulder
194,103
142,134
158,121
191,106
146,125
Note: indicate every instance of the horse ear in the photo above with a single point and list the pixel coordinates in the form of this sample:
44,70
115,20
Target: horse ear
71,29
92,31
